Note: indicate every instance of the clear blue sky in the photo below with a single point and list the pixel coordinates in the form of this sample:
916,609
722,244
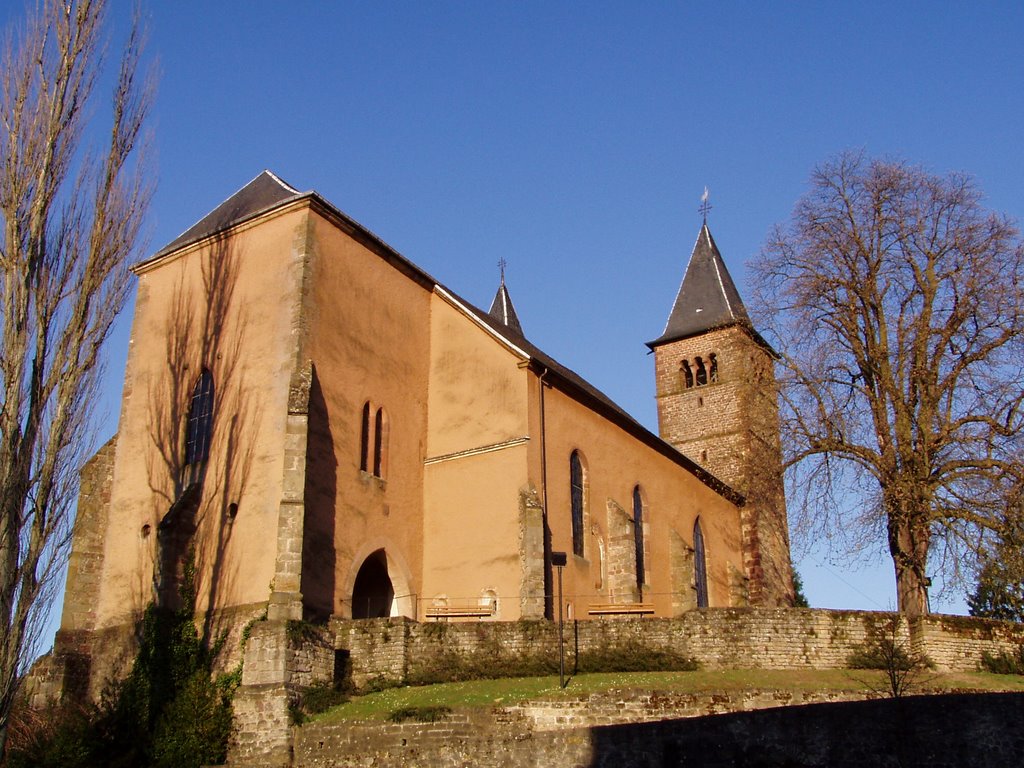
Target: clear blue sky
574,141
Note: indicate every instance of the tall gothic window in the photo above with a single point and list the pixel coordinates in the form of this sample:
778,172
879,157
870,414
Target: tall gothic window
638,537
364,439
380,443
199,427
700,568
373,441
576,496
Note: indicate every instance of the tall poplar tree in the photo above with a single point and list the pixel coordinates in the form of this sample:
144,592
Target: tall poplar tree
71,212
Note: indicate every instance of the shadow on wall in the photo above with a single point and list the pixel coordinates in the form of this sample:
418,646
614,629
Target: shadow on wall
926,731
318,552
203,429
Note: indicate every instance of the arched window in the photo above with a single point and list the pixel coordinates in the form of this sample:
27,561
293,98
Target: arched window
364,439
700,568
199,427
702,374
380,443
713,372
638,537
576,495
687,374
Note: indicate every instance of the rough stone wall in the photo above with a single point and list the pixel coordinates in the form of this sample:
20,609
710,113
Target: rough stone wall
731,427
957,642
281,659
395,649
531,554
630,706
85,564
378,648
684,593
622,587
286,599
936,732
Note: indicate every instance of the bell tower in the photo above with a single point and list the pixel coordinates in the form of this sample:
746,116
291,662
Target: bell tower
718,405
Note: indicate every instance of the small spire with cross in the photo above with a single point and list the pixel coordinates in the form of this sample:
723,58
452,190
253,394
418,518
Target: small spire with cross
705,206
501,266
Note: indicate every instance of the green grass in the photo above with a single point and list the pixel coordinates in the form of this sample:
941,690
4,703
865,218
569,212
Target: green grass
506,691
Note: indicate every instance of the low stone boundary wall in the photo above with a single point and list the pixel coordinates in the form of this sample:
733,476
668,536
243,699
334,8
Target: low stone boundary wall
618,707
399,650
282,658
961,731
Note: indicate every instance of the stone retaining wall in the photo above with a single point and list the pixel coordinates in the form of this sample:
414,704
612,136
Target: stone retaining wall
401,650
931,732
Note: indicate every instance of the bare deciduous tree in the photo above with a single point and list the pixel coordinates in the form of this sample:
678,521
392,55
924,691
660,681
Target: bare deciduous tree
897,302
71,217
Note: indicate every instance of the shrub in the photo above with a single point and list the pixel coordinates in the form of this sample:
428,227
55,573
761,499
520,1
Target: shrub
634,658
886,651
1004,663
319,698
422,714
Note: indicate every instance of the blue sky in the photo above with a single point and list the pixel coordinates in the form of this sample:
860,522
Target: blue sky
574,141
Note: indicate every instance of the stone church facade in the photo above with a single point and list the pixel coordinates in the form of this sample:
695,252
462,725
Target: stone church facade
324,430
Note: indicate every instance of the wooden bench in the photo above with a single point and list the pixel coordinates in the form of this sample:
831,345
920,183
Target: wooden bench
620,609
460,611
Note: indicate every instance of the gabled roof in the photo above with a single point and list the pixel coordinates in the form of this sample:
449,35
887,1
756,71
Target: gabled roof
262,193
503,311
707,297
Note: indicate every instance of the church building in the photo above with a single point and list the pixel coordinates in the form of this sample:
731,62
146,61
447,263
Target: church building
323,429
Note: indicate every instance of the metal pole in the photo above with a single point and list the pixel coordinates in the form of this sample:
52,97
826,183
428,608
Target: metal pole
561,634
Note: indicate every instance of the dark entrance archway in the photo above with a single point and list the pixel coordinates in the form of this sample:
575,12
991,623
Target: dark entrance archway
373,593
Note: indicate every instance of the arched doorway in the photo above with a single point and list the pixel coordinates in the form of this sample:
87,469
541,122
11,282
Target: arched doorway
373,594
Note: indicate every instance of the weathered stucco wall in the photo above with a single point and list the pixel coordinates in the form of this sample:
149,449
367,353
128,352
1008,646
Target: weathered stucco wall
614,463
226,305
369,340
475,467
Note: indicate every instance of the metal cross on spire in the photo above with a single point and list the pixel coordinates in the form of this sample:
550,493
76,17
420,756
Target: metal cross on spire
501,266
705,206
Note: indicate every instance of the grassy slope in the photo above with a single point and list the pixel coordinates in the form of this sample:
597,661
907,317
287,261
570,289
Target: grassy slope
485,693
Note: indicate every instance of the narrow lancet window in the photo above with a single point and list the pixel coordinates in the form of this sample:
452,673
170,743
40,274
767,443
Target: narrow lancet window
380,443
700,568
364,439
199,428
638,538
713,372
576,497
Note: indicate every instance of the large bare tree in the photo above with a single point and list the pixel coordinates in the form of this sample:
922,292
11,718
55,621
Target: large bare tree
71,212
897,302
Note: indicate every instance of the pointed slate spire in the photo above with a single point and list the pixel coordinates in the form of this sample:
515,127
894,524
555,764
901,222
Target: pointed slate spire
502,309
263,192
707,297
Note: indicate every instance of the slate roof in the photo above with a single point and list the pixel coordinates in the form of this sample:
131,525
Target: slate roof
503,311
264,192
707,296
267,191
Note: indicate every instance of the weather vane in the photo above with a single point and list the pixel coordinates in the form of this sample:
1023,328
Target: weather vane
705,206
501,266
